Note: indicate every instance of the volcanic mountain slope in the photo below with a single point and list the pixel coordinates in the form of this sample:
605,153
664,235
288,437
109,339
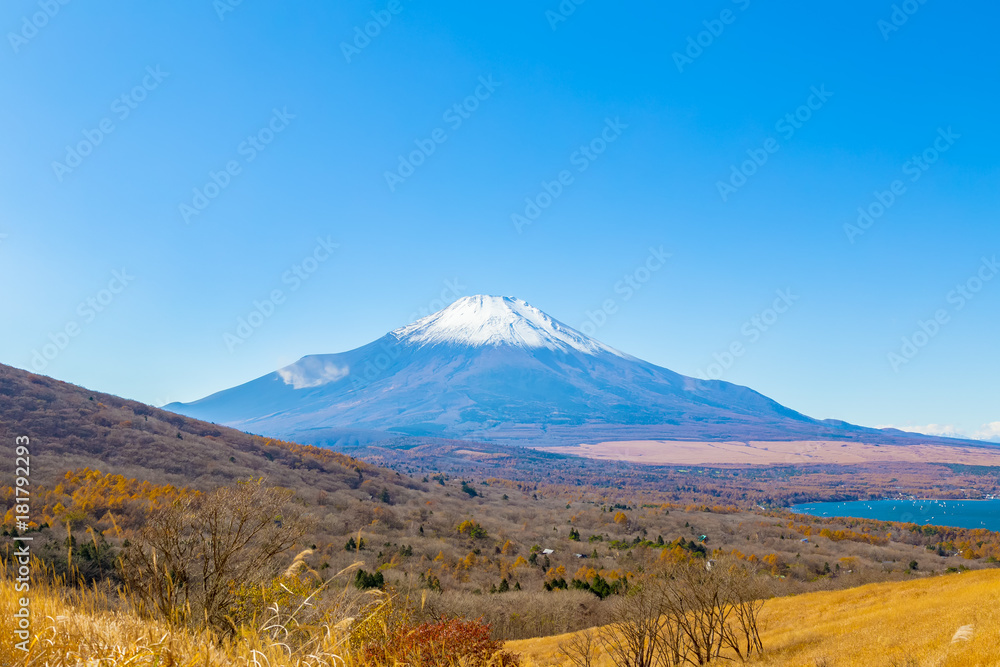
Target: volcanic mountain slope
498,369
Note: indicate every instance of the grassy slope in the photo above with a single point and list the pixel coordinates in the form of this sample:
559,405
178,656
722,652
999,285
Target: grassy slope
72,427
909,623
76,629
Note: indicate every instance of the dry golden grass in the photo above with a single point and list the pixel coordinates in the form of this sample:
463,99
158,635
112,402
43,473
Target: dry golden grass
79,633
944,621
923,623
73,628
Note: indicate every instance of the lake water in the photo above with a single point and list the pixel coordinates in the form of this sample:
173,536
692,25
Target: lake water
956,513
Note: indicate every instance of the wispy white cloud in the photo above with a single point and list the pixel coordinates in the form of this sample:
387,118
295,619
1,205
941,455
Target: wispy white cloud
946,430
310,373
989,432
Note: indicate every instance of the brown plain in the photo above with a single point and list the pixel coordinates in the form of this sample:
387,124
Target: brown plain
793,452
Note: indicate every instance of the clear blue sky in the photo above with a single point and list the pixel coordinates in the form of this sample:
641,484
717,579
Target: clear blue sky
199,81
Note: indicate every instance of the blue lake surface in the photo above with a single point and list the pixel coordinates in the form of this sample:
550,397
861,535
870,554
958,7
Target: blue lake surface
956,513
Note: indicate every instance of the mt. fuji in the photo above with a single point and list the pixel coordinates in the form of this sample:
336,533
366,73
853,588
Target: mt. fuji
498,369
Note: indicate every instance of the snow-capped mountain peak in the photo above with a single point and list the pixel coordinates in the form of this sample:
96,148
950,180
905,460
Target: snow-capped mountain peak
482,321
496,368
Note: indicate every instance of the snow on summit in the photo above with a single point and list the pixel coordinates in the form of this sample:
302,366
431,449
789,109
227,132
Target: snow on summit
480,321
497,368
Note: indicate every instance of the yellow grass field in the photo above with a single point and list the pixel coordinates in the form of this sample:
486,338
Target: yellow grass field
75,629
941,621
798,452
905,624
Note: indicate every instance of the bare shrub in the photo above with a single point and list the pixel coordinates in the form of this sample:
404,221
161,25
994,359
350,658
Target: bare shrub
446,641
581,648
191,555
521,615
690,612
637,635
713,606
